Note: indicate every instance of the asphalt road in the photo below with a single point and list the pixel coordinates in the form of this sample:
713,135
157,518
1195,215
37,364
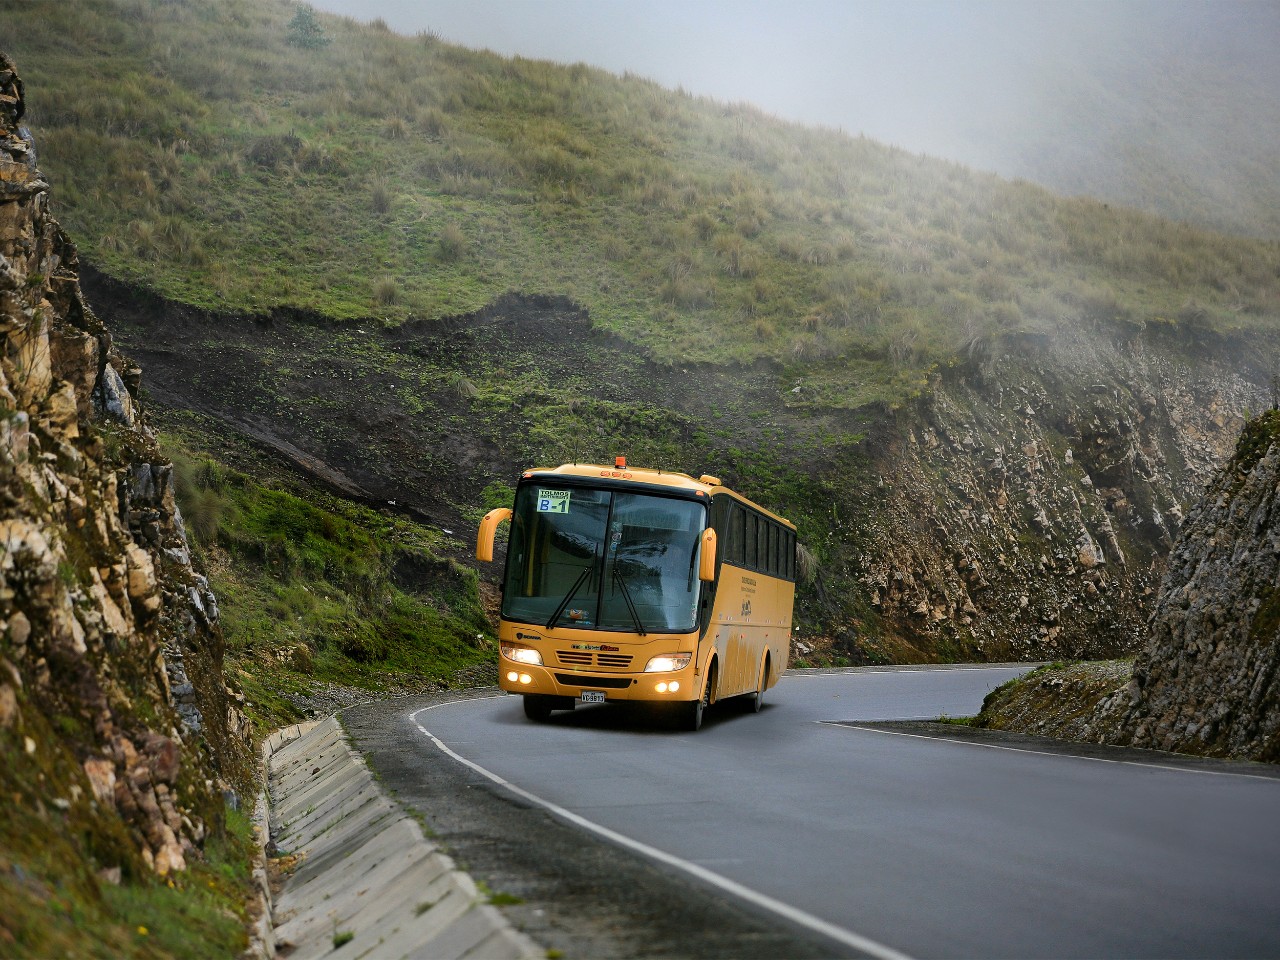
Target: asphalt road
833,837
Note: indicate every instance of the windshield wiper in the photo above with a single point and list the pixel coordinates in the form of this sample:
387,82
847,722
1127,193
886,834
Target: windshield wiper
626,595
577,585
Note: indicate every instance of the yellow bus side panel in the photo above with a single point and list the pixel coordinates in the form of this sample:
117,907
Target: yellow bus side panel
752,614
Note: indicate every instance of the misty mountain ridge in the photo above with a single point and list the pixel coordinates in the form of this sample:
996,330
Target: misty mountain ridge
1169,108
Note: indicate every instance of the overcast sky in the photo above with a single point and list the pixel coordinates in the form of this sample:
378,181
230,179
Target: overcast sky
941,77
928,75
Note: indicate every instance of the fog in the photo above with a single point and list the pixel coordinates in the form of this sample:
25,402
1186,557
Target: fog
1055,92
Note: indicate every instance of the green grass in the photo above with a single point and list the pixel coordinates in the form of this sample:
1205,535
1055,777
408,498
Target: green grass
314,588
197,150
53,901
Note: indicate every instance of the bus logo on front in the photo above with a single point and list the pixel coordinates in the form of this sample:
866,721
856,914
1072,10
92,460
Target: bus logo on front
553,501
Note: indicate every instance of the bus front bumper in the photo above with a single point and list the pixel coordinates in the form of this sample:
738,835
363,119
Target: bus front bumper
670,687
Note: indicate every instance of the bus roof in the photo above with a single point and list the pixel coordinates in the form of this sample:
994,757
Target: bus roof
706,485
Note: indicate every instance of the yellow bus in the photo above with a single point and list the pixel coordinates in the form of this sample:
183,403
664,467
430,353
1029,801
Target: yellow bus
623,583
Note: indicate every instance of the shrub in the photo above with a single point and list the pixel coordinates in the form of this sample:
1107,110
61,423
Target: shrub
306,32
433,122
806,564
274,150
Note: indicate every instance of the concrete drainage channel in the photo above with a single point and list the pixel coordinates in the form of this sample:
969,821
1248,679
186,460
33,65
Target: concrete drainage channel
368,883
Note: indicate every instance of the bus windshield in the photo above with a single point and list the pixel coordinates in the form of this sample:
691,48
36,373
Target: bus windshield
601,559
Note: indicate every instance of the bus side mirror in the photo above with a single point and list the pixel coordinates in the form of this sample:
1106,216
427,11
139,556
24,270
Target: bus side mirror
707,562
488,527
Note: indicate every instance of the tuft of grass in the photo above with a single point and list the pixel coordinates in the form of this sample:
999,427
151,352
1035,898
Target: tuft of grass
386,292
452,243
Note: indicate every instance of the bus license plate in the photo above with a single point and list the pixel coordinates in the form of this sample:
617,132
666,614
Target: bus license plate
592,696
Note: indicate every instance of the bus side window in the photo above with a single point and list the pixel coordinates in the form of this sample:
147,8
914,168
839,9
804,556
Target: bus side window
791,555
720,514
774,552
750,540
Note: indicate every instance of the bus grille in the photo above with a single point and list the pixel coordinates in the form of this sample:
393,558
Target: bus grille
577,680
574,658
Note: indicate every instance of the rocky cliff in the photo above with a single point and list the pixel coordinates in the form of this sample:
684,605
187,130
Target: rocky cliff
1208,680
1027,505
119,737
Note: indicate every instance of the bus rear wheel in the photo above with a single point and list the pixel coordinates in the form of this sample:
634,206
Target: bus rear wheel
756,700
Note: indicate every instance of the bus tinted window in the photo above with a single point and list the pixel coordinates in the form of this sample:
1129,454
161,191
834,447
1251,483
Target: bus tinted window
737,539
750,540
594,559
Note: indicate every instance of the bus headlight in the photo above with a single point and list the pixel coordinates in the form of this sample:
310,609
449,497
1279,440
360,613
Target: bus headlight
668,662
521,654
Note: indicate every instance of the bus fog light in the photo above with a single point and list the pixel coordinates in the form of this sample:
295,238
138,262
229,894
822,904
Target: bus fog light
668,662
525,678
673,686
661,688
512,677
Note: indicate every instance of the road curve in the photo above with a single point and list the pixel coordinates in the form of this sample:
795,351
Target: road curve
868,842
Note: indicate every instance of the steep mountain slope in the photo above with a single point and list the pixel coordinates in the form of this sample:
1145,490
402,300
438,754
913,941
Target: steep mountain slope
986,407
398,178
1021,509
118,736
1029,506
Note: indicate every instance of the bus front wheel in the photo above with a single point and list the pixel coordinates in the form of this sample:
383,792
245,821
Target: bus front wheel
537,707
693,719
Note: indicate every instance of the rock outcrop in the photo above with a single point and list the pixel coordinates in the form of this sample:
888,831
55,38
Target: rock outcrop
1208,681
110,651
1027,505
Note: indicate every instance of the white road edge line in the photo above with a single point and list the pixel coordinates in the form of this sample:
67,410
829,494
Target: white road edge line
809,674
795,915
1047,753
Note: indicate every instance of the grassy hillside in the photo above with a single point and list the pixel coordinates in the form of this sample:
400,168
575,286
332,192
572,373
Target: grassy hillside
315,589
197,150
